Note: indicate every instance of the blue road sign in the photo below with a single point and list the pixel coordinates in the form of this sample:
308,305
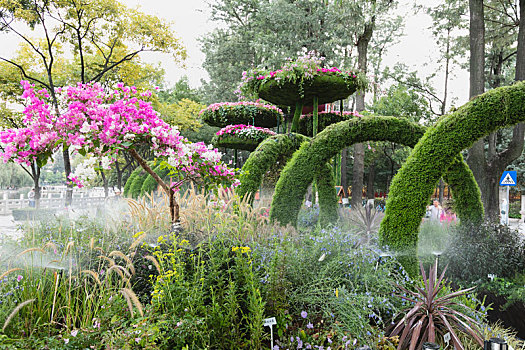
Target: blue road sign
509,178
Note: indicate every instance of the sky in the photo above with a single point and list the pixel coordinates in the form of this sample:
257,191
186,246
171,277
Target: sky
190,20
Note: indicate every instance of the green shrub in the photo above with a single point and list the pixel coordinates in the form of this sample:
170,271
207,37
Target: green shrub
474,251
211,295
130,180
150,184
340,289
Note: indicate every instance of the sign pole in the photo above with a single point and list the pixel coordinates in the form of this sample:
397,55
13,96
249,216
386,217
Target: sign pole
508,206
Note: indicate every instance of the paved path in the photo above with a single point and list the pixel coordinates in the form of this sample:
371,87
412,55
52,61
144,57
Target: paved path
9,227
515,224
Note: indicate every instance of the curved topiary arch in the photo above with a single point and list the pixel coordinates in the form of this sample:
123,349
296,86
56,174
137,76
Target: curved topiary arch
263,157
414,182
267,154
299,172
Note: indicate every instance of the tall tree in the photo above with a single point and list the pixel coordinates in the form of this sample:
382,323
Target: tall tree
488,166
111,32
357,20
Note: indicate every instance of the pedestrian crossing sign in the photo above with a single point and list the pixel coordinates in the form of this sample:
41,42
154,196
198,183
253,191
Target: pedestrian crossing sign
509,178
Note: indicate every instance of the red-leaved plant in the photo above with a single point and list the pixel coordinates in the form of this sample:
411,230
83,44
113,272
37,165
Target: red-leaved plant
431,313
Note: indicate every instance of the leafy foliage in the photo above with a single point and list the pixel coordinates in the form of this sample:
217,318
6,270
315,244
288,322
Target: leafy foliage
474,251
251,113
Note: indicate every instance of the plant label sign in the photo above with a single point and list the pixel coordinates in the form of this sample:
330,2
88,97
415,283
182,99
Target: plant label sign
446,338
267,322
509,178
491,276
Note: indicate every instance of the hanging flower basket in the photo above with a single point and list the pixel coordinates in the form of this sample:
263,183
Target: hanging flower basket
244,137
325,119
251,113
300,81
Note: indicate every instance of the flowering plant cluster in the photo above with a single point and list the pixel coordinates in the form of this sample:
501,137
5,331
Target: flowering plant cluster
244,112
247,132
92,120
303,70
345,114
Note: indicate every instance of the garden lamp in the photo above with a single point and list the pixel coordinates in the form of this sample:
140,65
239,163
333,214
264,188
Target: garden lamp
496,344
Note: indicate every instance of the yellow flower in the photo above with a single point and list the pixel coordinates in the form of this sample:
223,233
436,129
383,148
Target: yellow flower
234,249
336,293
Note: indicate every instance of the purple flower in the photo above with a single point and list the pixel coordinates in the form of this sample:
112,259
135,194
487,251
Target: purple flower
19,278
310,325
304,314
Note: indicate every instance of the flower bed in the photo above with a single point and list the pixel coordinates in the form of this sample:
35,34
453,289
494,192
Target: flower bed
253,113
300,81
245,137
325,119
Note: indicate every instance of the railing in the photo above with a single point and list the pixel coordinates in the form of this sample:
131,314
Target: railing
51,200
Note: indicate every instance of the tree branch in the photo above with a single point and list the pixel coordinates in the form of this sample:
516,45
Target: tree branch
24,72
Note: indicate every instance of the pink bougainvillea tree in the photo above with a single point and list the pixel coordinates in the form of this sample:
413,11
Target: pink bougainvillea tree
100,123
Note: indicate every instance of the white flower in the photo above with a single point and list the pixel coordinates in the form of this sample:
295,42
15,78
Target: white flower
129,137
85,127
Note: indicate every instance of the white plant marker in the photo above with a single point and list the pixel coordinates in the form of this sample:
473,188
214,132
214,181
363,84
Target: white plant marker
269,322
446,339
491,276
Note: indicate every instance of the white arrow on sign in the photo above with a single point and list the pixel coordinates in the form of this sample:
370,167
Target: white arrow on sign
508,180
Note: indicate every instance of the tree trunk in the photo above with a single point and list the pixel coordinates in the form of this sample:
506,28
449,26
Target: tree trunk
35,172
67,169
344,175
441,190
487,173
119,176
359,148
104,181
476,154
370,194
174,206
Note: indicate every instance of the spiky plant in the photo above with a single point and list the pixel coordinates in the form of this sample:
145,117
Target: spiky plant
431,313
365,221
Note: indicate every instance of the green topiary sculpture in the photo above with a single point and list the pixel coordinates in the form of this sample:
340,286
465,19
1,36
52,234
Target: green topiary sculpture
300,171
414,183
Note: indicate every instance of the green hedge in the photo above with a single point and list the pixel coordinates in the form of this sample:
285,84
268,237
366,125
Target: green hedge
234,142
223,114
130,180
267,154
414,183
300,170
150,184
328,203
133,185
329,87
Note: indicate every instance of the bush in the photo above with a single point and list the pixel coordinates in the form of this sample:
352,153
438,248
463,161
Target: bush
474,251
341,289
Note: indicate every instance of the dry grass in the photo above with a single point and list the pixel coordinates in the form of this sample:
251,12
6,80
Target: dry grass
202,215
